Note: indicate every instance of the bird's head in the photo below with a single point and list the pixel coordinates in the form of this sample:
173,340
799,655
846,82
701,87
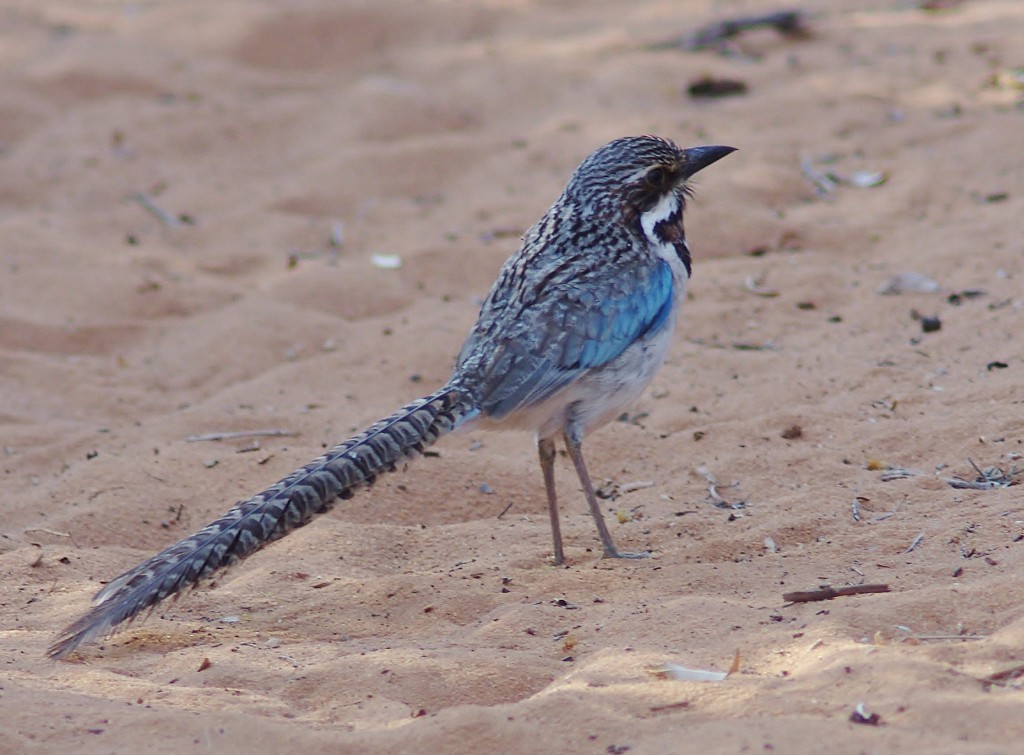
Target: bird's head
635,174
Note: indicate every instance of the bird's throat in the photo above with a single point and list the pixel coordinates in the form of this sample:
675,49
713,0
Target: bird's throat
662,226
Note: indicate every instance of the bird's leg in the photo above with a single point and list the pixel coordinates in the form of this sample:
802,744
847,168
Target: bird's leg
546,451
573,444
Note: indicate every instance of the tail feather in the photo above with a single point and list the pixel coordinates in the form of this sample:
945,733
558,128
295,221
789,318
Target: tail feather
271,514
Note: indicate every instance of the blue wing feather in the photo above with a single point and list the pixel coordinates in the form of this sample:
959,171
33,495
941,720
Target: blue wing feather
591,333
624,319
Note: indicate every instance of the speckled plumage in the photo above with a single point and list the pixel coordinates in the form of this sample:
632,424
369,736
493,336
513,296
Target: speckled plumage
573,329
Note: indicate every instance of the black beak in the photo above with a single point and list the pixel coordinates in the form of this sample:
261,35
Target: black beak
698,158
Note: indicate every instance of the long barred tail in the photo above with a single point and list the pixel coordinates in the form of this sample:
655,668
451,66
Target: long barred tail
267,516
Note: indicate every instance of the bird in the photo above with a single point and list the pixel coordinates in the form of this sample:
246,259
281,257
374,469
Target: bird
571,332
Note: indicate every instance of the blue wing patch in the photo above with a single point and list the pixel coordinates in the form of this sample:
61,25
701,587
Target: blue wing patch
591,332
620,321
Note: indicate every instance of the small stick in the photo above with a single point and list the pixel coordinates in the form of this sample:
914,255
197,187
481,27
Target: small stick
827,593
1004,677
49,532
505,510
156,210
916,542
823,184
988,479
713,493
787,22
999,679
954,482
274,433
55,533
629,487
899,473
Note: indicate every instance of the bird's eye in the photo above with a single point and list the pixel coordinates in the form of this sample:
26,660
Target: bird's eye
657,178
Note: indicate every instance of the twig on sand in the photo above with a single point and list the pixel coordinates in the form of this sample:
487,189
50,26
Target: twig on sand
915,542
823,183
1004,678
791,23
713,495
272,433
1009,677
150,205
49,532
989,478
55,533
827,593
899,473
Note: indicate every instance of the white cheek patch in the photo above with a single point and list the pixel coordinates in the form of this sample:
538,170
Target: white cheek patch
668,206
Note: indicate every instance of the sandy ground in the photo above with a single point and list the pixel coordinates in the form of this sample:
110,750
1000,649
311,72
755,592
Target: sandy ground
424,615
